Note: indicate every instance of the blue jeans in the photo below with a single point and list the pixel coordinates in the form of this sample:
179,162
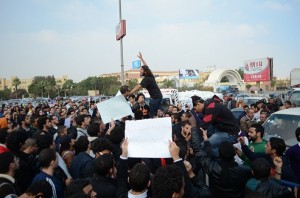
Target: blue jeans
154,105
216,138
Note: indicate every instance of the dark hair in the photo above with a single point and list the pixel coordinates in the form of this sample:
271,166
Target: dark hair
131,96
139,95
44,141
93,129
81,145
188,114
42,121
183,123
176,116
195,102
61,129
117,135
288,102
46,156
6,159
80,119
124,89
20,118
103,164
297,133
15,140
166,181
139,177
64,143
147,71
226,151
3,135
101,144
261,168
278,144
258,128
41,186
75,188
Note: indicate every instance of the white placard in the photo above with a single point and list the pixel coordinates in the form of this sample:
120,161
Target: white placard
114,108
149,138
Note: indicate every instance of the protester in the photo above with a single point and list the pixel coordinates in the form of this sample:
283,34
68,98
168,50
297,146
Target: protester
149,83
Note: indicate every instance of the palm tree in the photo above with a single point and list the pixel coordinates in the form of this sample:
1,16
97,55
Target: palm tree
16,82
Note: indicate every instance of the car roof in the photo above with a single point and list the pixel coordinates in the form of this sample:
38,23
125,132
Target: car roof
291,111
255,97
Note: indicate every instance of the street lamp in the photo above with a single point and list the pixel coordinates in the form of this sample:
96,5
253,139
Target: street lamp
120,33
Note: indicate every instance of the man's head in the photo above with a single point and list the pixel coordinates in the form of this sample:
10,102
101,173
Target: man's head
140,98
250,113
80,188
160,113
261,169
23,120
168,182
131,98
145,71
44,123
263,116
287,104
275,146
198,105
139,177
226,151
47,158
9,163
104,165
256,132
54,120
101,146
82,144
185,116
124,90
83,120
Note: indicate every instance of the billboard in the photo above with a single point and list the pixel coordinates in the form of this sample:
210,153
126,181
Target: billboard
258,70
188,73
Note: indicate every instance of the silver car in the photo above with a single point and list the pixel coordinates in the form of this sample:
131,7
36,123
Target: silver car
283,124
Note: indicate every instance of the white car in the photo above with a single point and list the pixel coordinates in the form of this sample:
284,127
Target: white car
283,124
253,99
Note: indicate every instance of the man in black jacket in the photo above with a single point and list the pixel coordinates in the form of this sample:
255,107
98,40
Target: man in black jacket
227,178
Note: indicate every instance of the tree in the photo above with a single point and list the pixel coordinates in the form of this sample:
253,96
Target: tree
68,86
16,82
248,86
4,94
241,72
42,84
132,83
20,93
168,84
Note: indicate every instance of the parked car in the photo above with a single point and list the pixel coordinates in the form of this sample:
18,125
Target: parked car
295,97
250,100
283,124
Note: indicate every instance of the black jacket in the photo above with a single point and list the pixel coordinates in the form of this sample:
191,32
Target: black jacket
271,189
219,116
228,183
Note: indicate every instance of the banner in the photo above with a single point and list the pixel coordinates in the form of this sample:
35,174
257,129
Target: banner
188,73
257,70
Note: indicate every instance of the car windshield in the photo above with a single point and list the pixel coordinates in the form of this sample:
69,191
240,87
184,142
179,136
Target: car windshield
295,98
284,126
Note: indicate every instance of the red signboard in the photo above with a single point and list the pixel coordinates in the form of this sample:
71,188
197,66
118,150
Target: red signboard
121,30
258,70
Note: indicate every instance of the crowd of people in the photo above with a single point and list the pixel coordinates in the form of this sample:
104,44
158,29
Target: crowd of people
66,150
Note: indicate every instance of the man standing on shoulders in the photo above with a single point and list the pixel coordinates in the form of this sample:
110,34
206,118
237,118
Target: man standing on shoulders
150,84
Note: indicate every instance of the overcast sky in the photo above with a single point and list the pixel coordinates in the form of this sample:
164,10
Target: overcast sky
77,37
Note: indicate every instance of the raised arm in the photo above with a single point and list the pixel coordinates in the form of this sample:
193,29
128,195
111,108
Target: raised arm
141,57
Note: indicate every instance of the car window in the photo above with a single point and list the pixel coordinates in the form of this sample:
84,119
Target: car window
295,98
283,126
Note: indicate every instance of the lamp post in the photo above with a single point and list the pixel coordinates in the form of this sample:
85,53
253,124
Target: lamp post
121,46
